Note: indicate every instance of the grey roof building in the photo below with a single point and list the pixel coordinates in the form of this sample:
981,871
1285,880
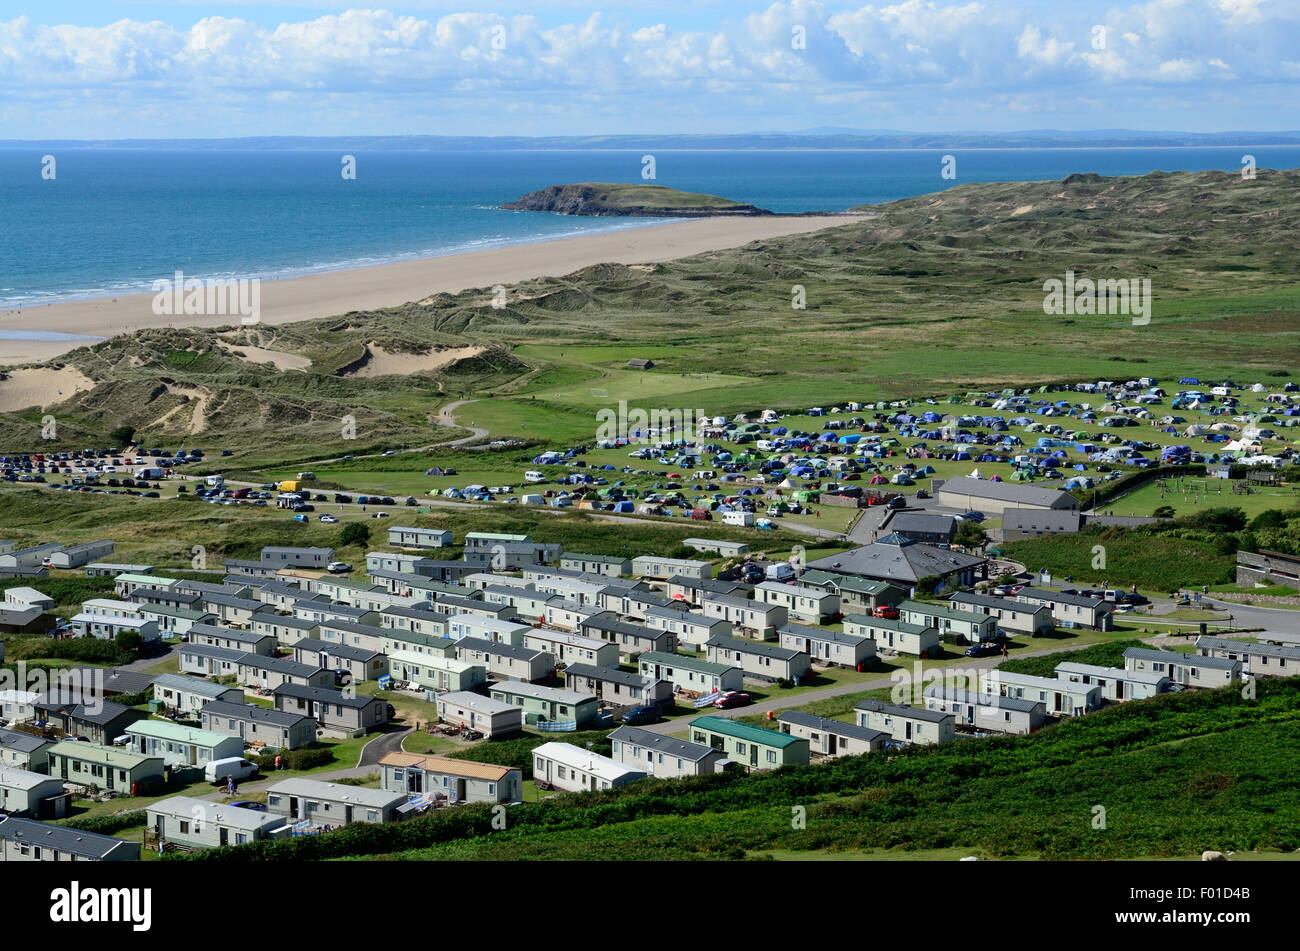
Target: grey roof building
42,841
899,560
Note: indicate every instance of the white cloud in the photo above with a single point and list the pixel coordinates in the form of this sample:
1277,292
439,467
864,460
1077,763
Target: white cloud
1040,58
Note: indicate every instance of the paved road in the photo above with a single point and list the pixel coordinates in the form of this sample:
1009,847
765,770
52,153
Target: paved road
382,745
1282,620
370,754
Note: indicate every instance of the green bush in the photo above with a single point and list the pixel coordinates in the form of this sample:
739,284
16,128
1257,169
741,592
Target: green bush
107,825
308,758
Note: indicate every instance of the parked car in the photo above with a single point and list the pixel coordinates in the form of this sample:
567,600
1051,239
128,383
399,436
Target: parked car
733,698
886,611
986,649
640,716
326,519
337,567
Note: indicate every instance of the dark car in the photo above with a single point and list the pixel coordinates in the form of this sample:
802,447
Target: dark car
249,804
640,716
983,650
1134,599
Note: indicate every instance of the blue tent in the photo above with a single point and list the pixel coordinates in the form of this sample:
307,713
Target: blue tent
1080,467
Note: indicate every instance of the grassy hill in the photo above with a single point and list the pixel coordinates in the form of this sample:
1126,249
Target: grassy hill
934,294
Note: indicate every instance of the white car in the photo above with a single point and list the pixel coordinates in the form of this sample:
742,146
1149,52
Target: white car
338,567
329,519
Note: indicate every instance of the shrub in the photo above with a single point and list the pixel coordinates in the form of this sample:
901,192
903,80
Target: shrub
107,825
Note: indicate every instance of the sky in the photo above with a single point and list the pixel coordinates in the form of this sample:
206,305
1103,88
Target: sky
124,69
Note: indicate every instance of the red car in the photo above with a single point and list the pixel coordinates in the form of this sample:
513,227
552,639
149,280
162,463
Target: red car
733,698
887,612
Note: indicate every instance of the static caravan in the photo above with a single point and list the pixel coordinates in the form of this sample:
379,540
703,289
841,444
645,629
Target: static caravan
26,840
632,639
665,757
435,672
803,604
506,661
906,724
655,568
618,688
358,662
975,626
1186,669
896,636
24,751
769,662
200,824
186,696
1060,698
1117,684
748,618
486,629
1258,660
690,674
178,745
612,565
274,729
831,738
405,536
559,709
434,778
331,805
995,714
750,746
829,648
689,627
472,711
1015,617
569,648
25,793
573,769
336,713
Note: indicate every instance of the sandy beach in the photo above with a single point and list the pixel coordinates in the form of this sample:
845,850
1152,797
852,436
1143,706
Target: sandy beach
388,285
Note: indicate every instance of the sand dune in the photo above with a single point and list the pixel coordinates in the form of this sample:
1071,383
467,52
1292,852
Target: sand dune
379,362
42,386
281,360
390,285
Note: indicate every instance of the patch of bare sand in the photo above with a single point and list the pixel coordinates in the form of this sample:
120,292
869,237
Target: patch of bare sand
40,386
278,358
379,362
200,395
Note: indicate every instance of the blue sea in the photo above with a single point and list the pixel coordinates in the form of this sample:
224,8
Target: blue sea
112,221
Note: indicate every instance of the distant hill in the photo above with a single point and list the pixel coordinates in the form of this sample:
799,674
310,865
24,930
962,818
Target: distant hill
642,201
824,138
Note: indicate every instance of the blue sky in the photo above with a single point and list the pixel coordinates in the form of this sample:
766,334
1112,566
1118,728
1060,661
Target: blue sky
118,68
